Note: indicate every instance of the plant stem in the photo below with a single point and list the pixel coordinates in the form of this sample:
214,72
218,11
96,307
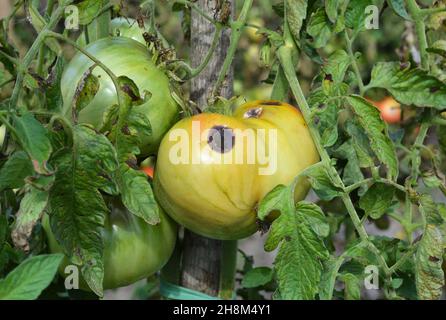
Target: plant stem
284,54
197,9
403,259
236,32
354,63
420,28
415,158
193,72
27,60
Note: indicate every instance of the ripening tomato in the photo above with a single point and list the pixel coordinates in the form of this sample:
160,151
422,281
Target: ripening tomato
124,57
148,171
390,110
212,170
133,249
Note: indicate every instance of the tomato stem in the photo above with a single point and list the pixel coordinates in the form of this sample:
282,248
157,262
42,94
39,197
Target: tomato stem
28,59
236,31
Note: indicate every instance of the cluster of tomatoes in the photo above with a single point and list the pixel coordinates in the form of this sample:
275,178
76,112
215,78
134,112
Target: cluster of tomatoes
215,197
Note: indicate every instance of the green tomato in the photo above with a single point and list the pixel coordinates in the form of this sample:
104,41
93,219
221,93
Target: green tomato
124,57
133,249
127,27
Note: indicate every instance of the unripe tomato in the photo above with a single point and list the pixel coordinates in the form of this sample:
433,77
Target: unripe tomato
390,110
133,249
127,27
124,57
217,198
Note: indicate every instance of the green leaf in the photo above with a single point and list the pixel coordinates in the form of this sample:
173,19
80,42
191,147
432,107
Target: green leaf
323,182
352,290
319,28
376,129
30,278
31,209
274,200
399,8
298,265
296,11
410,86
137,194
355,15
15,170
429,276
88,10
80,173
360,143
377,200
33,137
352,171
3,232
331,9
257,277
337,65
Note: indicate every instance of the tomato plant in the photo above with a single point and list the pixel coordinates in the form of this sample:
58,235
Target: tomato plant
336,155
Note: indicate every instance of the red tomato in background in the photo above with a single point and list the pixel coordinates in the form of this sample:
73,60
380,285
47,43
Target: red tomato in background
390,109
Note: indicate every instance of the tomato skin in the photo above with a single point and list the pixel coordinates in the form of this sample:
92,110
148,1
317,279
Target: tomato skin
149,171
124,57
390,110
133,249
218,200
127,27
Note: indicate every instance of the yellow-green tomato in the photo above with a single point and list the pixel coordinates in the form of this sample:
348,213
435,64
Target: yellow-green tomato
124,57
212,170
133,249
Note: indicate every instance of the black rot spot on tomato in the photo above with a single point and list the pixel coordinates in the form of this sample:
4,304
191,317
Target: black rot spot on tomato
221,139
253,113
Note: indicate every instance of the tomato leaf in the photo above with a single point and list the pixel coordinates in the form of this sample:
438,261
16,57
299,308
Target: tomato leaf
30,278
137,194
298,263
319,28
355,15
257,277
337,65
376,129
15,170
399,8
76,207
377,200
296,11
352,171
323,183
429,276
31,209
88,10
33,137
352,286
410,86
53,94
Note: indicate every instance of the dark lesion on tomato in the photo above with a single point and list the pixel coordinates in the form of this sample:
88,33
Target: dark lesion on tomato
271,103
253,113
221,139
